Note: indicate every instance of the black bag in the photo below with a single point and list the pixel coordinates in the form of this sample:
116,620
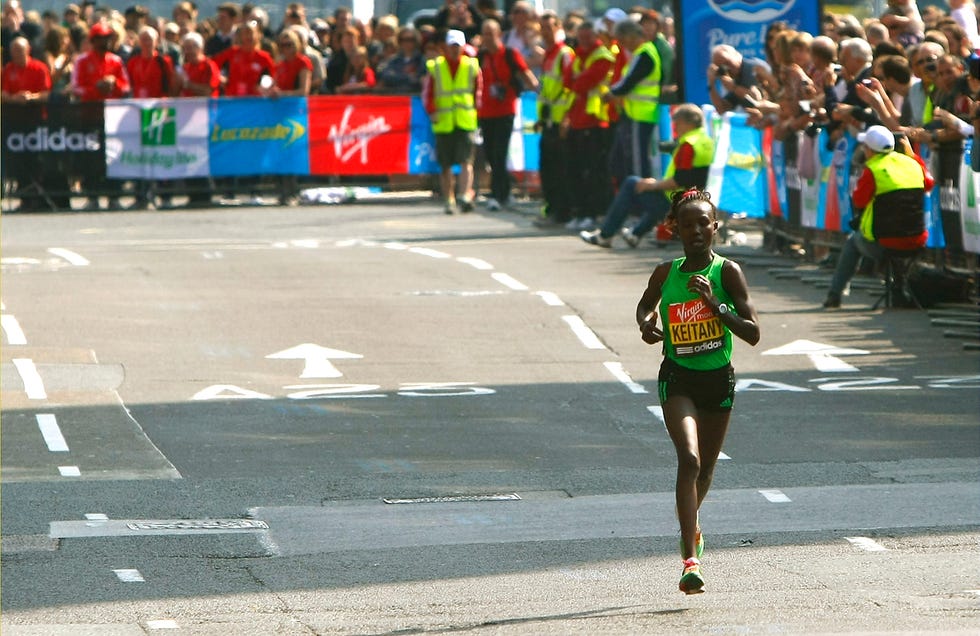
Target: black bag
932,286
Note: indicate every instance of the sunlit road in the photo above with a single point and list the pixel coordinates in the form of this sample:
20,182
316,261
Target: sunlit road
379,419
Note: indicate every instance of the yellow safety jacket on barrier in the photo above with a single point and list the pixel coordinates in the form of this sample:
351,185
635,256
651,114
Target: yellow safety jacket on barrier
641,103
554,97
453,96
593,101
704,153
899,192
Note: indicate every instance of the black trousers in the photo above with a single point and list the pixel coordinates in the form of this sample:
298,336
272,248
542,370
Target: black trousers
496,133
554,174
588,180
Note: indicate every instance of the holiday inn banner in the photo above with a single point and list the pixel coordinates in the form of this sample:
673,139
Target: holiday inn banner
157,139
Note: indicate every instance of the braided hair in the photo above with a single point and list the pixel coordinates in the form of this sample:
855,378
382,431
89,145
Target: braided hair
686,197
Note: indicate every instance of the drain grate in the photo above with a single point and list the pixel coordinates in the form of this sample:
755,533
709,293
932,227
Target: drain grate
207,524
455,499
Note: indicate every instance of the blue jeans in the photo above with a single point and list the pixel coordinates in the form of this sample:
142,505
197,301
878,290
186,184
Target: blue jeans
654,206
853,249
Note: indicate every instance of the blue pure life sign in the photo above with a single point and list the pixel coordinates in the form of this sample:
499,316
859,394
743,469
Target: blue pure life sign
700,26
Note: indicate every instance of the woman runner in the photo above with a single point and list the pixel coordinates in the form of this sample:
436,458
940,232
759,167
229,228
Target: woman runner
703,299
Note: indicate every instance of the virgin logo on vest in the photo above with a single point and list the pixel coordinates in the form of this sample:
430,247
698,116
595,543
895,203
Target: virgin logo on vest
350,140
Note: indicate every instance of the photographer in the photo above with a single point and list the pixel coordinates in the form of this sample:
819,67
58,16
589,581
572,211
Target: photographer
736,82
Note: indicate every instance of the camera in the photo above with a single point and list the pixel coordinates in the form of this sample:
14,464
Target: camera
805,107
498,91
723,71
930,65
867,82
973,62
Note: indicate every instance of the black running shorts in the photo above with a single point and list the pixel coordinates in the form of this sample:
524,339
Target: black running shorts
709,390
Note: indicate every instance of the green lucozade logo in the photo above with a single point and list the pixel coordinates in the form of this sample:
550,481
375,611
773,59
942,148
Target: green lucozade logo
158,126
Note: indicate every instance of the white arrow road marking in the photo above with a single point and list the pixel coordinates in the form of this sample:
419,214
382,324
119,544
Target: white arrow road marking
10,326
822,355
866,544
72,257
317,359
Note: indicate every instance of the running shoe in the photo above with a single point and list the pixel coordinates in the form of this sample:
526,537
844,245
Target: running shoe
595,238
493,205
631,239
691,580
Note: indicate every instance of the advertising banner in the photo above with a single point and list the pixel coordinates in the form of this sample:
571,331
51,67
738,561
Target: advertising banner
970,202
738,178
67,138
365,135
158,139
258,136
701,25
422,144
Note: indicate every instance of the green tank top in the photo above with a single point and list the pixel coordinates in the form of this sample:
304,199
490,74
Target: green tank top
694,337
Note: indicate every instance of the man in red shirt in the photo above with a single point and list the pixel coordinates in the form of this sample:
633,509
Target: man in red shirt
26,81
589,138
199,76
503,70
151,74
99,74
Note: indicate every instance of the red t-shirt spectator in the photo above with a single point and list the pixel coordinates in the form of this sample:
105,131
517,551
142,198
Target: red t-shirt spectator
245,69
496,71
287,71
146,74
94,66
204,72
32,78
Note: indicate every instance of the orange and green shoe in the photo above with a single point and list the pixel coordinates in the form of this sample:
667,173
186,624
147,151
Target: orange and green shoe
698,544
691,580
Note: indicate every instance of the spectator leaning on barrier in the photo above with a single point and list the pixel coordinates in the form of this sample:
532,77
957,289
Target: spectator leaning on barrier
688,168
588,128
843,102
554,100
403,72
504,74
638,94
247,64
918,109
888,202
451,93
151,74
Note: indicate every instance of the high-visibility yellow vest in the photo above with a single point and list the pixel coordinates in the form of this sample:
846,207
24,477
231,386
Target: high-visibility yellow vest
641,103
593,101
453,96
704,152
900,191
554,95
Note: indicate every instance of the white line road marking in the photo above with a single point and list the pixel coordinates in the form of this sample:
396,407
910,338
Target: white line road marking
33,385
866,544
72,257
395,246
551,299
96,519
509,281
478,263
129,576
310,244
162,623
69,471
10,326
425,251
48,424
775,496
618,372
584,333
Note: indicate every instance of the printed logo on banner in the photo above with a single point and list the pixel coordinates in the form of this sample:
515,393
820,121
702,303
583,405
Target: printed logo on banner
349,141
256,135
159,126
751,10
361,135
148,139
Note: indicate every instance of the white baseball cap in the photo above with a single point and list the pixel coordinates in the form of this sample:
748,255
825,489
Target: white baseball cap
455,37
878,138
615,15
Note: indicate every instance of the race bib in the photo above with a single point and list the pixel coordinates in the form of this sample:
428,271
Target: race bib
694,328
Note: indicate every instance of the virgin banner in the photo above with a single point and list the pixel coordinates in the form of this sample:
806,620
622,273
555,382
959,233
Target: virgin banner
367,135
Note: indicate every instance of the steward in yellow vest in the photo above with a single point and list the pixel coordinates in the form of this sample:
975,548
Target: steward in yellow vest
449,93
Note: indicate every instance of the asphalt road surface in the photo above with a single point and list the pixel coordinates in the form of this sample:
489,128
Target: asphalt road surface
378,419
